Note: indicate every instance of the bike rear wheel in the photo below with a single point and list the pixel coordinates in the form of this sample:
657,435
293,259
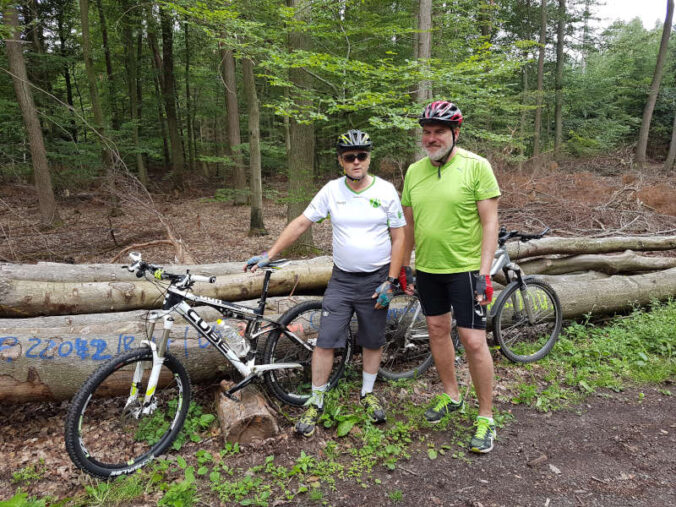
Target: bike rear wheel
291,385
521,339
107,436
406,353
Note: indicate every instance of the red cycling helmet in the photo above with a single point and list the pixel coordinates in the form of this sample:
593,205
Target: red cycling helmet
441,111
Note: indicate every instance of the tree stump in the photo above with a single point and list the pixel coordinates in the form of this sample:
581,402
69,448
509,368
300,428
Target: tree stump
250,420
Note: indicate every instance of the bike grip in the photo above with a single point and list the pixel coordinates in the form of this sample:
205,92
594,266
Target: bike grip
202,278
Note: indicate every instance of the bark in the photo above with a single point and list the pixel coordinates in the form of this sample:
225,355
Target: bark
61,28
58,272
671,156
234,141
28,298
627,262
17,66
256,225
486,18
574,246
654,89
424,49
247,421
132,23
541,73
300,158
93,91
188,100
169,96
109,68
35,368
558,113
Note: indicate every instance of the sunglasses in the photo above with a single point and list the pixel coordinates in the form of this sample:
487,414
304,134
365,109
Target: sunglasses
351,157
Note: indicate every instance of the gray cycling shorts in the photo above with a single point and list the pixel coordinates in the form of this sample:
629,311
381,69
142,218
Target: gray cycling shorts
346,294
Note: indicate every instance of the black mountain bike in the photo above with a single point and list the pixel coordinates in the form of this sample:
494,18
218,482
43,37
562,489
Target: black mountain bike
132,408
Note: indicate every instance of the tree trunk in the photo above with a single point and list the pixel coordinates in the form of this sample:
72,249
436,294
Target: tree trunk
28,298
227,67
256,226
63,34
17,66
109,69
248,420
169,96
671,156
558,114
627,262
132,23
643,133
574,246
486,18
52,364
188,100
541,73
300,158
107,155
60,272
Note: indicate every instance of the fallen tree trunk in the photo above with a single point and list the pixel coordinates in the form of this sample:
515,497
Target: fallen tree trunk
27,298
60,272
626,262
48,363
575,246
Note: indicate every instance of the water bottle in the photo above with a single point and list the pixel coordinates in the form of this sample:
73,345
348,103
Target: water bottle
235,341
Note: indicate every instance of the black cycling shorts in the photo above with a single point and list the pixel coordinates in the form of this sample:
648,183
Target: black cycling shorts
441,293
346,294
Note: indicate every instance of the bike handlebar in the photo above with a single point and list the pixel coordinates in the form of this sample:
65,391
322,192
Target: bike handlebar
504,235
140,267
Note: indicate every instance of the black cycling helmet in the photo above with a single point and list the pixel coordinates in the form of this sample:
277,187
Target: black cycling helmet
353,140
441,111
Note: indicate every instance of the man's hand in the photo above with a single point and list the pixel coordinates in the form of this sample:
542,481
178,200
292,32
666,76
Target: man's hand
384,293
406,280
257,261
484,289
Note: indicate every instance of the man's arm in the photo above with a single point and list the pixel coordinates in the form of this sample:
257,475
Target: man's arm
398,243
488,214
409,239
290,234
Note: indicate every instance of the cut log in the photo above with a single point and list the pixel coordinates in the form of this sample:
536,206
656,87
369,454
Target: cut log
575,246
27,298
38,363
59,272
627,262
247,421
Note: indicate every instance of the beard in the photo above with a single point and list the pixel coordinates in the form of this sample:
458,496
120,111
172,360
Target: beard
438,154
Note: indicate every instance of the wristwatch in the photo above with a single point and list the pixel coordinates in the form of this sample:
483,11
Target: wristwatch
393,280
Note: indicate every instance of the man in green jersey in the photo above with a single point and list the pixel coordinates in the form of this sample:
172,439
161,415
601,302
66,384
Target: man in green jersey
450,202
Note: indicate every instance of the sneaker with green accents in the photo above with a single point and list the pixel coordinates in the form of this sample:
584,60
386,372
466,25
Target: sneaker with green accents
442,405
483,438
374,409
308,421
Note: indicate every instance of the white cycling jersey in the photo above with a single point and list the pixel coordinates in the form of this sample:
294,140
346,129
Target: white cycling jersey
360,221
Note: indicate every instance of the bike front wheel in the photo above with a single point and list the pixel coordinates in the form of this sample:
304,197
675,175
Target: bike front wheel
527,320
109,431
293,385
406,353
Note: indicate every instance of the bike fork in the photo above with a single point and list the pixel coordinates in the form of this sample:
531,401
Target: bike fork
159,351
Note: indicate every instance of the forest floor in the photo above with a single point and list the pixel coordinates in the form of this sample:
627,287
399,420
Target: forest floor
611,448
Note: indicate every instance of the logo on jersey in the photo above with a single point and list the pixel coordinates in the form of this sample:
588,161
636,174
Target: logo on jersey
375,203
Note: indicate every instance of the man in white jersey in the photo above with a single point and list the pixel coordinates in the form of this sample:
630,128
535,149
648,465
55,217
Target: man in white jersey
368,241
